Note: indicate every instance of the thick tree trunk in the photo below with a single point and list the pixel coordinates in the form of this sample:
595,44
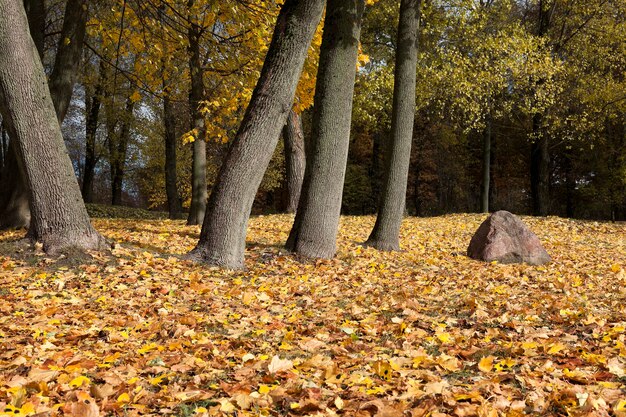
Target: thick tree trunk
539,169
59,217
174,206
118,150
91,127
295,159
376,170
386,232
484,192
314,231
196,95
68,55
222,241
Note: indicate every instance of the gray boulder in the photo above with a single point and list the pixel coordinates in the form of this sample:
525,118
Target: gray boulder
503,237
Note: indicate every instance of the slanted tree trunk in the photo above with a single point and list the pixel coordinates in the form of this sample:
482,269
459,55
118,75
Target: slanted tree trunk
36,14
484,192
91,128
174,205
539,169
222,241
68,57
59,217
196,95
314,231
386,232
118,150
295,159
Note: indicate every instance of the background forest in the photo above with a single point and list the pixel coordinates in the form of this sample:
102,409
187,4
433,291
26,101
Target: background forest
520,104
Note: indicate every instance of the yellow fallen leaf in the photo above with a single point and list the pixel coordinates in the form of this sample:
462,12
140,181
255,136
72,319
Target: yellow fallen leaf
486,364
79,381
123,399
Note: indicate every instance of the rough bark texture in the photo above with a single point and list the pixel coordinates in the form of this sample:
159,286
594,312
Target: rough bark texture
197,208
484,192
222,241
295,159
314,231
386,232
59,218
91,127
174,205
68,55
118,150
539,170
504,238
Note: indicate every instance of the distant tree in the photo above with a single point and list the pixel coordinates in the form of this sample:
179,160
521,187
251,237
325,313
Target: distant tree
295,159
222,240
59,218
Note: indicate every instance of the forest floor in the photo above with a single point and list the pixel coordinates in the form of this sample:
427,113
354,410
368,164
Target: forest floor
423,332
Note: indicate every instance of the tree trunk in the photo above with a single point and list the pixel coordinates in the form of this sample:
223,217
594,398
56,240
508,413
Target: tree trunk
295,159
386,232
68,56
173,198
196,95
222,241
484,194
36,14
376,169
59,217
118,150
14,209
539,169
91,128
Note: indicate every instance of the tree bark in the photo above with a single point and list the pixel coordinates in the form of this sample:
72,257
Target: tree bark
68,55
91,128
295,159
314,231
386,232
174,205
118,150
59,217
14,209
484,194
539,169
196,95
36,14
222,240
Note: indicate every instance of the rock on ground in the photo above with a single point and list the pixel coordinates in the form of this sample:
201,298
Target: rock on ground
503,237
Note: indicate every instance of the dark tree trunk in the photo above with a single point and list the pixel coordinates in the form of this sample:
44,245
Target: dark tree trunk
314,231
14,210
91,127
59,217
196,95
295,159
118,150
484,192
36,14
68,55
3,147
222,241
376,170
386,232
539,169
174,206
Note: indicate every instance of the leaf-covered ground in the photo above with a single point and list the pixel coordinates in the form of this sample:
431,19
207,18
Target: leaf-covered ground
424,332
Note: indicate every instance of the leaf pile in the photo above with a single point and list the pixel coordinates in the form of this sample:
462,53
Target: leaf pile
425,331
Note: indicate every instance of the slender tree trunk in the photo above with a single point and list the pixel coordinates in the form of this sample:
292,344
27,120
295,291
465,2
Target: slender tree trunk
485,189
14,209
196,95
539,169
222,241
2,148
91,128
295,159
376,170
173,198
118,156
68,55
59,217
36,14
386,232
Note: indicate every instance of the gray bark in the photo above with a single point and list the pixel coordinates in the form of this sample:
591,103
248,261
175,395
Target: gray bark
197,208
386,232
222,240
59,218
174,205
314,231
295,159
484,192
